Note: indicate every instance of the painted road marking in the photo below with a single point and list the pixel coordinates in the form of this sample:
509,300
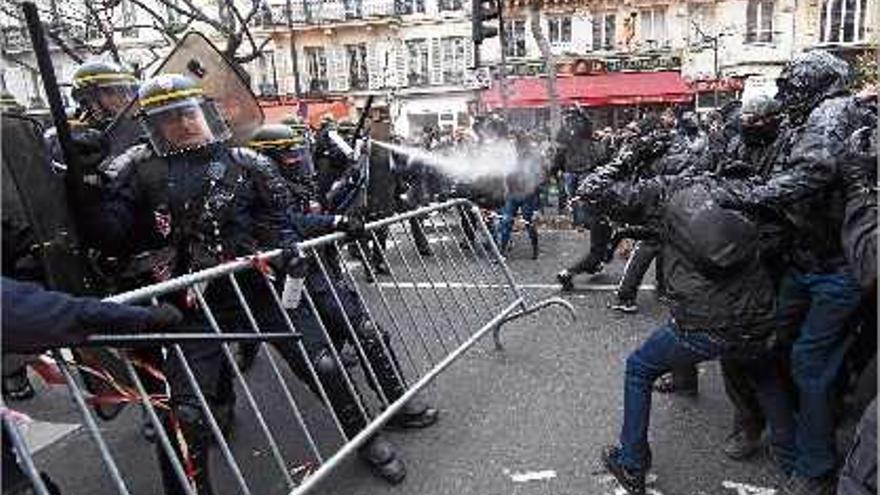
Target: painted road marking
607,479
746,489
525,477
41,434
468,285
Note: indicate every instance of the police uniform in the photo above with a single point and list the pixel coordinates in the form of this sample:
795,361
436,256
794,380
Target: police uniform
191,206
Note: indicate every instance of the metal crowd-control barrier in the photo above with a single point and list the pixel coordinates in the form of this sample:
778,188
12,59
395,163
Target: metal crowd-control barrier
433,306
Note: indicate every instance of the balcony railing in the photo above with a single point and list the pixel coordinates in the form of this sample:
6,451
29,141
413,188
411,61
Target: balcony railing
321,12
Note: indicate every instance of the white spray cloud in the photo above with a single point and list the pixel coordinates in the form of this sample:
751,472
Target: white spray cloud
493,159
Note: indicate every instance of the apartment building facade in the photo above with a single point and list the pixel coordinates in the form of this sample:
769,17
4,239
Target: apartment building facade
411,56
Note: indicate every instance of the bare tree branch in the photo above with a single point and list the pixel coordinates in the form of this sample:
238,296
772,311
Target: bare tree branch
549,63
244,22
162,25
258,52
109,41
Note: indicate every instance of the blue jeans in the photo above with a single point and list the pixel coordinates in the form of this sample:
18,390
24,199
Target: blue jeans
571,183
821,305
668,348
528,205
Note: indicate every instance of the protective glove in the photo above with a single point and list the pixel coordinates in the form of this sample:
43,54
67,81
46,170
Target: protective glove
352,226
292,262
162,317
90,148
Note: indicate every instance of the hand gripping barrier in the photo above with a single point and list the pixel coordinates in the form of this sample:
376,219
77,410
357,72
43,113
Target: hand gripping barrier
411,297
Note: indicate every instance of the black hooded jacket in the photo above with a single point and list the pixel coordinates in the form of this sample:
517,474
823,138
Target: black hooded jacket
808,189
726,292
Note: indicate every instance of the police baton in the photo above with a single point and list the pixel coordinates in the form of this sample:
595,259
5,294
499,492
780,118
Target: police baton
74,173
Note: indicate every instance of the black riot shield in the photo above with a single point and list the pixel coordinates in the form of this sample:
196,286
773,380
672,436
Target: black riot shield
43,234
197,57
33,195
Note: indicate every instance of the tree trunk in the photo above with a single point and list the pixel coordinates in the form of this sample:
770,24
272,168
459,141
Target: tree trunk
550,65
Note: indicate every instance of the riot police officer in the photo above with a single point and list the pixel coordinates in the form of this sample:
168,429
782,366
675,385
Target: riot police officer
190,202
289,154
101,90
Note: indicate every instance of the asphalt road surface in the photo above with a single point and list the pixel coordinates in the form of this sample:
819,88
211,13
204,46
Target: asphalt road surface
530,419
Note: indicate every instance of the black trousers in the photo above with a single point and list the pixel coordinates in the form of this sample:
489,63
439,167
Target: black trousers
600,239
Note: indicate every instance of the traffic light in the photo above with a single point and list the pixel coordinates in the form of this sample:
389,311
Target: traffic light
485,11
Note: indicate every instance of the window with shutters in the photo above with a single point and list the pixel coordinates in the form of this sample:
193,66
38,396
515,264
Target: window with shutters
603,31
358,76
653,32
417,62
453,59
129,19
559,30
759,21
843,21
450,5
316,68
515,38
405,7
266,75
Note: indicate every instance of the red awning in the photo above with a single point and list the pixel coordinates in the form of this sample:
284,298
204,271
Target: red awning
623,88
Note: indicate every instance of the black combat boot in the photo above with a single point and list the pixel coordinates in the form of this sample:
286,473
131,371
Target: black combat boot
415,414
381,456
633,481
17,385
565,280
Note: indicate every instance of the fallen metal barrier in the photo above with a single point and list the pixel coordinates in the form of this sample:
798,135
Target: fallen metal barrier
419,291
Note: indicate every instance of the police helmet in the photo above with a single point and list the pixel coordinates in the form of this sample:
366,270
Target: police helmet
177,116
103,89
287,147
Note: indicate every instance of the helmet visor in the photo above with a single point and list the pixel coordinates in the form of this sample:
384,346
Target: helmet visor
106,101
295,162
184,125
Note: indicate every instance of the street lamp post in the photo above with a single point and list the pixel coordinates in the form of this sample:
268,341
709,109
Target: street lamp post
717,70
